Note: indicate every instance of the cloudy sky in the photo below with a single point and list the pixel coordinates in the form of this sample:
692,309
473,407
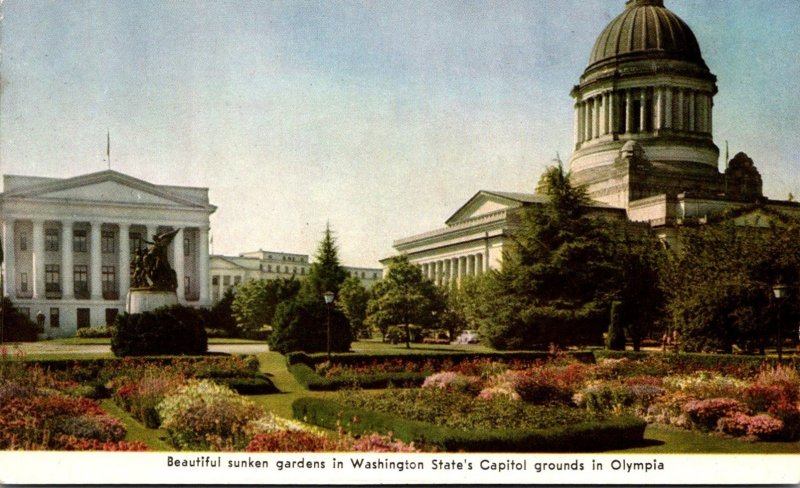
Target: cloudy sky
379,117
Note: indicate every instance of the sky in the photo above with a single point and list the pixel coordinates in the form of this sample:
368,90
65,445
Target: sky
380,118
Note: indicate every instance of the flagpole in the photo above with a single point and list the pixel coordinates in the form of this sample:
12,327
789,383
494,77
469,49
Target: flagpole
108,147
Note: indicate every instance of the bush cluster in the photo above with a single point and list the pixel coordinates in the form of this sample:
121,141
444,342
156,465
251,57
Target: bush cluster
168,330
95,332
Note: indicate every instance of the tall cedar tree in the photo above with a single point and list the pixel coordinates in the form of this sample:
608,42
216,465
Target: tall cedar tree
561,273
326,273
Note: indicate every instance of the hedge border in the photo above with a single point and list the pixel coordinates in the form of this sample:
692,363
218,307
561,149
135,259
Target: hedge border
614,433
692,361
312,381
358,358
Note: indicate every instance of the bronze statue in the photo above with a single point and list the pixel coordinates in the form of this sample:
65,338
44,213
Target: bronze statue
150,266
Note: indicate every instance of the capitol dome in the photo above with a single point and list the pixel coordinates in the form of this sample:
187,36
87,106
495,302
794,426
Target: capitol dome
646,29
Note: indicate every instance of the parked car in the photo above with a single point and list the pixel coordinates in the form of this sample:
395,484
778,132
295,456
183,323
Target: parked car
468,337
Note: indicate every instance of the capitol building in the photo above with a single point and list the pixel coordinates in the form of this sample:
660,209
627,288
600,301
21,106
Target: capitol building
643,149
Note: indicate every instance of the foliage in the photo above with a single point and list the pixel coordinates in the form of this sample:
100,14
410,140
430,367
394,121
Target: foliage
719,286
16,326
326,273
563,268
220,316
202,415
611,433
404,297
353,298
255,302
175,329
95,332
301,325
616,332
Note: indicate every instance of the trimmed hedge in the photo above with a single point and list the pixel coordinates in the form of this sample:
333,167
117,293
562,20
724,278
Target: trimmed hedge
455,356
312,381
687,362
614,433
257,384
176,329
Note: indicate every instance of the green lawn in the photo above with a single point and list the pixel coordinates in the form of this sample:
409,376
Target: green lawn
662,439
274,365
153,438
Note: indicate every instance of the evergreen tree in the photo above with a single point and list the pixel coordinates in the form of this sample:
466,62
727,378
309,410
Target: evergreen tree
326,273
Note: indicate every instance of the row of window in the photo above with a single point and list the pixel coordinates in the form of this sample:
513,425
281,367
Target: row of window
80,279
83,317
80,243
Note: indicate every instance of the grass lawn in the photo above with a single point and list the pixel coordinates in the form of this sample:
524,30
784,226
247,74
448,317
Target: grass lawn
274,365
153,438
663,439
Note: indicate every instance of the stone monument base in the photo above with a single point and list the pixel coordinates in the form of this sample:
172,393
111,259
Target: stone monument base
146,300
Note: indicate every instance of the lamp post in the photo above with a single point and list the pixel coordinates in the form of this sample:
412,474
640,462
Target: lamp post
328,296
780,291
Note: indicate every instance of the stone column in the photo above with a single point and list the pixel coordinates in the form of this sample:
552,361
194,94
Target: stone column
605,126
9,277
667,107
692,112
38,259
479,263
628,111
67,275
596,117
471,265
612,113
576,125
177,259
124,259
679,122
95,262
202,264
643,111
659,107
587,120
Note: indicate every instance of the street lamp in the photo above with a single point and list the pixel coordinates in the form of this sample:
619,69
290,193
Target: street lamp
328,296
780,291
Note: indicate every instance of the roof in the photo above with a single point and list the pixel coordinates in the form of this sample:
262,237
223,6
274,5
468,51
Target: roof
646,29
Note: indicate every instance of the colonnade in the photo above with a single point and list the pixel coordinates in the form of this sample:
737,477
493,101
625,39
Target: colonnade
641,110
94,253
451,270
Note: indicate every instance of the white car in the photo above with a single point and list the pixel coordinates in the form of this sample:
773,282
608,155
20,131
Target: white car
467,337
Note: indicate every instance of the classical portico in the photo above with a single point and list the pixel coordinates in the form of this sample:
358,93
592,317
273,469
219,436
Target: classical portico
68,243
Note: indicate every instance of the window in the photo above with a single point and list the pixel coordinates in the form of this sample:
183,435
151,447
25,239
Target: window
269,268
226,280
51,239
23,241
375,276
109,279
84,318
237,280
215,280
54,318
136,240
80,277
52,278
23,282
107,241
187,246
111,316
79,241
187,285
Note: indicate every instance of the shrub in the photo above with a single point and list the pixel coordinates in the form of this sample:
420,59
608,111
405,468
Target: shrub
141,397
454,381
704,414
618,397
289,441
203,415
16,326
167,330
741,424
615,339
95,332
704,385
300,324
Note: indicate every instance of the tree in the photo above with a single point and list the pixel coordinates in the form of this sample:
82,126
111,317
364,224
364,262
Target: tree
616,334
326,273
558,275
719,284
353,298
403,297
300,325
220,315
16,326
256,301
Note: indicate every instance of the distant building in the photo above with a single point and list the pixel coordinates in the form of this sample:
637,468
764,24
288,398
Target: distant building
67,244
230,271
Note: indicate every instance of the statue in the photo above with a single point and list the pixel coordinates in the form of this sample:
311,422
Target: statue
150,266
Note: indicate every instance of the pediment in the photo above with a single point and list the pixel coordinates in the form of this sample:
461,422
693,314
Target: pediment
105,187
485,203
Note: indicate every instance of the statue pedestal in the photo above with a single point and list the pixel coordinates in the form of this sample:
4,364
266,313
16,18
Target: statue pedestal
146,300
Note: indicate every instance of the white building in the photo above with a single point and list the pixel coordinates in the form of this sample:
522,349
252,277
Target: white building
474,237
229,271
67,243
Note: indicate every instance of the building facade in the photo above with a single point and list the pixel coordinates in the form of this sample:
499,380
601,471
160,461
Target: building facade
227,272
473,239
67,244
